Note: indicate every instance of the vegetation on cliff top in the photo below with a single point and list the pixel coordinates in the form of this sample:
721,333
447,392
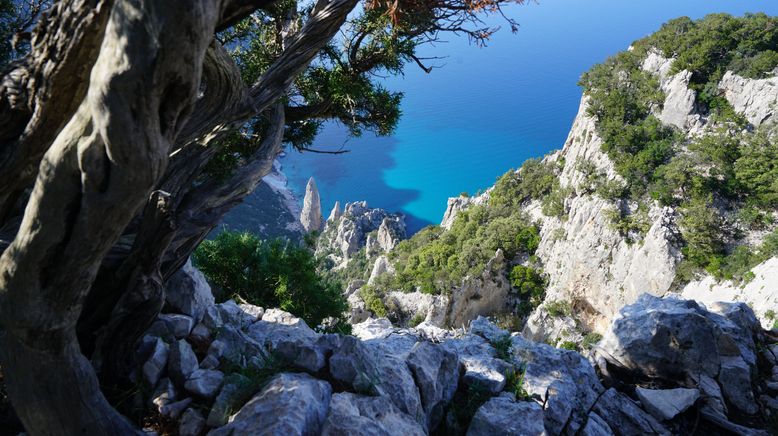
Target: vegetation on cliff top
275,273
731,166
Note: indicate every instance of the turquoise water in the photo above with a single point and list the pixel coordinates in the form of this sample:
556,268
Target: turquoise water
487,109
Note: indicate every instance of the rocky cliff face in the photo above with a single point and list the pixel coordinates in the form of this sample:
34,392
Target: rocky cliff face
359,231
595,267
271,211
238,369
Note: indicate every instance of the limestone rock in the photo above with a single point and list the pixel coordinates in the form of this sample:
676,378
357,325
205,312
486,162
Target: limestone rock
310,217
569,394
478,364
290,404
666,404
643,340
484,295
381,266
164,393
356,415
182,362
458,204
542,326
234,345
343,238
596,426
179,325
204,383
192,423
352,364
290,339
761,292
231,397
234,314
390,233
187,292
622,414
756,99
174,410
436,373
335,213
156,363
503,415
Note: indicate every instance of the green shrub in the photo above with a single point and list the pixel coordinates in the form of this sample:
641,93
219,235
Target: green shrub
568,345
559,308
627,225
756,170
502,347
755,218
417,319
701,227
373,301
273,273
531,285
553,203
434,261
514,383
534,180
590,340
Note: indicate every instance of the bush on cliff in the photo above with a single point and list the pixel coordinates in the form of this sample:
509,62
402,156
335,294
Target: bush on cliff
275,273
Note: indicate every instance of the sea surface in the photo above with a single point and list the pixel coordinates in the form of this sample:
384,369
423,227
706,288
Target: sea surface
486,110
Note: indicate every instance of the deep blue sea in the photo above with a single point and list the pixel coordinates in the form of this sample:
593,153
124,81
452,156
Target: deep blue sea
486,110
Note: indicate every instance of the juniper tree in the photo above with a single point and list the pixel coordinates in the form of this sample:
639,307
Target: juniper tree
128,128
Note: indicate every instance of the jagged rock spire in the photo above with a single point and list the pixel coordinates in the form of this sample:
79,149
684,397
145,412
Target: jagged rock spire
310,217
335,213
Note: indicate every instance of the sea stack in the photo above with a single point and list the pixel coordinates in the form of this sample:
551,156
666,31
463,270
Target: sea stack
335,213
310,217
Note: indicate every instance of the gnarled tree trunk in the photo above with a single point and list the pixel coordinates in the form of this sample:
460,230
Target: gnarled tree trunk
97,173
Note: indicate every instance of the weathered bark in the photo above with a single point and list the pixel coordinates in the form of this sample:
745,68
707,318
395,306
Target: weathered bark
199,209
42,92
204,206
98,171
99,144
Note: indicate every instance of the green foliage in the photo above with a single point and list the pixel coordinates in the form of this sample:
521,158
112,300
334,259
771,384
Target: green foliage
373,301
754,218
434,260
502,347
701,227
273,273
629,225
720,42
531,285
568,345
756,170
553,203
590,340
514,383
416,320
559,308
732,164
534,180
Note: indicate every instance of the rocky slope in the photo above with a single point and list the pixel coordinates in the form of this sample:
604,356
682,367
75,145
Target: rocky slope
595,268
270,211
236,369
